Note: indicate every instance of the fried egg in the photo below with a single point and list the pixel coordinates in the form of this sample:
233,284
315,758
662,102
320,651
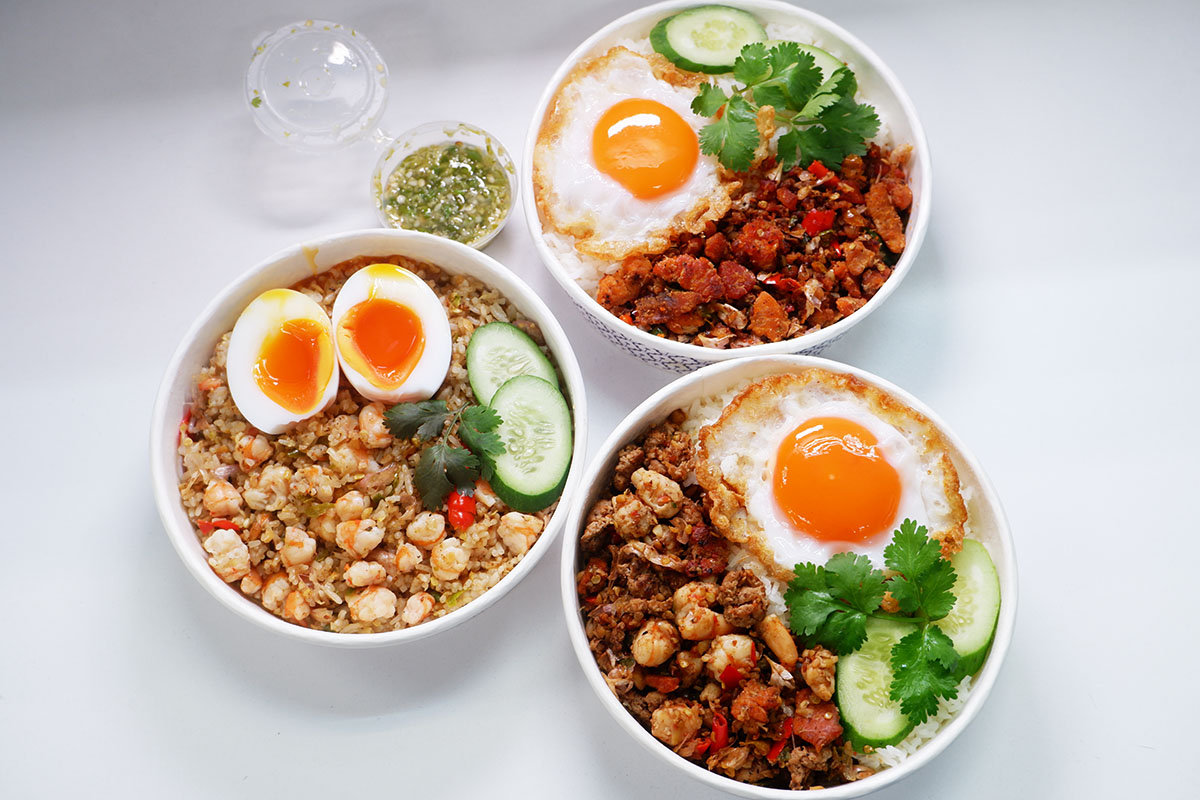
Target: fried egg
807,465
392,334
280,364
617,164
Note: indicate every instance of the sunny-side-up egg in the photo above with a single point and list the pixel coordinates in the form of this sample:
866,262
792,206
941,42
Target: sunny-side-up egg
617,164
821,464
392,334
280,363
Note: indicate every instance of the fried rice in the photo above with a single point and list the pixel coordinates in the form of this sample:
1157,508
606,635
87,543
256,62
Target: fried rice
282,547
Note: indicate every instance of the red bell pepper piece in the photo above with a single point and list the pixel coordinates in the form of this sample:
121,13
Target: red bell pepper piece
818,170
720,729
777,748
461,510
207,526
815,222
731,675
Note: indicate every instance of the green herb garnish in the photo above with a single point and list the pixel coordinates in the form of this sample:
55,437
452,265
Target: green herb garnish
820,119
830,605
443,465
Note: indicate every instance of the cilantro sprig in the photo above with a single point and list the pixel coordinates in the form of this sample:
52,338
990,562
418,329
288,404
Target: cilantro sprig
820,119
443,465
830,605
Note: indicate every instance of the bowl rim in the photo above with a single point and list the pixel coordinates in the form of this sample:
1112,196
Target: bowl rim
919,222
162,448
715,378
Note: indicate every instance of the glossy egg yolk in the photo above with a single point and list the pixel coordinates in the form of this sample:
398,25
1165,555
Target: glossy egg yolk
295,364
832,482
645,146
381,339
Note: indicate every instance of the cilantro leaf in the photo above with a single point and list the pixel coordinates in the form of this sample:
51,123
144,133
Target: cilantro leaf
752,65
787,149
923,669
477,430
733,137
709,101
852,578
424,419
926,578
842,129
830,604
818,119
442,467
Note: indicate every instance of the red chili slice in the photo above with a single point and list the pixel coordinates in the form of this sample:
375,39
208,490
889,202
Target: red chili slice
818,169
720,729
817,221
207,526
777,748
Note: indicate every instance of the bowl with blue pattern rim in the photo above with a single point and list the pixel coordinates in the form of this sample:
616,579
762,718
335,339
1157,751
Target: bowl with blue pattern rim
878,87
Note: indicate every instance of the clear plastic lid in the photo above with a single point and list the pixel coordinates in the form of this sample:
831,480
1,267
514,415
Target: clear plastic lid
316,85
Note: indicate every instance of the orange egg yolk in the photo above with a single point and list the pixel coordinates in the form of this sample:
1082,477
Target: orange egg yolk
832,482
645,146
295,365
381,339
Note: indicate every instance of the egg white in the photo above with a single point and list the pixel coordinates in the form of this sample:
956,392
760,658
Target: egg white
397,284
578,199
792,546
262,317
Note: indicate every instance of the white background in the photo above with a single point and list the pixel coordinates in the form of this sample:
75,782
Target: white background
1050,319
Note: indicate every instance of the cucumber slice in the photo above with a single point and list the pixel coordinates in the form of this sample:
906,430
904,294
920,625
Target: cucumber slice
499,351
706,38
536,430
971,624
826,62
864,679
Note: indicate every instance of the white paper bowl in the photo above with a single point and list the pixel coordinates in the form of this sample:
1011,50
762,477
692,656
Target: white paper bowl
987,521
877,84
283,269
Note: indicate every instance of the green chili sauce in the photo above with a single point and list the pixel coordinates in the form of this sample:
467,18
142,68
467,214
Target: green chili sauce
454,190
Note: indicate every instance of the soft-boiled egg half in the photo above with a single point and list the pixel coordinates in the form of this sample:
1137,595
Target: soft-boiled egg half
281,365
392,334
806,466
617,164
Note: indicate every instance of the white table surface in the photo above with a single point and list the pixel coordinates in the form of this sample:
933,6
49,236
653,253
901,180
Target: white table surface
1050,319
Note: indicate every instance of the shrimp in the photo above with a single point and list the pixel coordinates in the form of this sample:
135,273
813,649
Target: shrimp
407,557
418,607
359,536
632,519
349,459
427,529
295,607
269,490
519,532
676,721
731,650
695,620
230,558
275,591
221,498
365,573
662,494
373,603
352,505
372,430
311,481
298,547
448,559
250,451
656,642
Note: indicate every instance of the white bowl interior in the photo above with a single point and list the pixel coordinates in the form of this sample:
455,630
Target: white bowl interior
877,83
284,269
987,524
